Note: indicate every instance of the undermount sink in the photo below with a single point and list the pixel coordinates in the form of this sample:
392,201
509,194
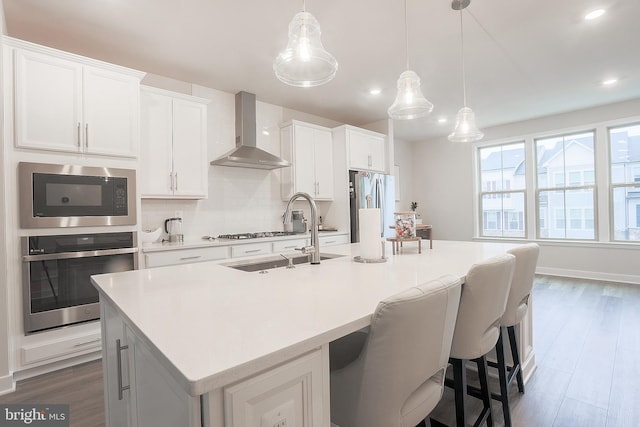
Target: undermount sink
273,261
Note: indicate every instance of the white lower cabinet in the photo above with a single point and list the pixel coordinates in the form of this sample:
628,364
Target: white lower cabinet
139,392
340,239
289,395
185,256
289,245
250,249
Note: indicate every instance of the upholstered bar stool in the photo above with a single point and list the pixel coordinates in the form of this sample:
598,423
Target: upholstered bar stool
393,374
482,304
517,306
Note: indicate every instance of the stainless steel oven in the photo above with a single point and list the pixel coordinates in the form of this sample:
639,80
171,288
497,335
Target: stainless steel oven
73,196
57,289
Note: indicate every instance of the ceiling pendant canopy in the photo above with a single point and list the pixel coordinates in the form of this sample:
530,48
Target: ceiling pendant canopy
305,62
466,129
410,103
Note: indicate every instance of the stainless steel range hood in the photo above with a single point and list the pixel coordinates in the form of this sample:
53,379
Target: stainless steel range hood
247,154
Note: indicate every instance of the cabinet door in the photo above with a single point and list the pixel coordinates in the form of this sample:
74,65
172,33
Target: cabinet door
116,374
323,156
189,149
358,150
377,153
156,397
156,145
304,164
111,111
48,99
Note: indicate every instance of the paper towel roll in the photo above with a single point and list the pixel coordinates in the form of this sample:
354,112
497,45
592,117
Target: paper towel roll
370,246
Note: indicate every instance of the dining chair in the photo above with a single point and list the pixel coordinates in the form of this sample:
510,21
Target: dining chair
392,374
482,305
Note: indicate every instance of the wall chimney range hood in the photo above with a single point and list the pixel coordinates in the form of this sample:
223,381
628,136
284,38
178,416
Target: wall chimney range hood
246,154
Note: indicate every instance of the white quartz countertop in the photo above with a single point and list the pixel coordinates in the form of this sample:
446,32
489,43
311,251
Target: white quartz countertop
212,325
204,243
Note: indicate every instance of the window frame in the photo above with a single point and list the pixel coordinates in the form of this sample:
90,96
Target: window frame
566,187
503,194
632,183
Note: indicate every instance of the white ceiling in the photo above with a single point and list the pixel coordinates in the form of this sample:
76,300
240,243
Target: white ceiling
524,58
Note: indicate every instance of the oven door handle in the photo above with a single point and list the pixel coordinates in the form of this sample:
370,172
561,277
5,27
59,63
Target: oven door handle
81,254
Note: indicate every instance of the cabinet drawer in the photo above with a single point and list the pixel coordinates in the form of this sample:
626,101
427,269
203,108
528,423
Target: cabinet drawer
341,239
289,245
185,256
250,249
52,350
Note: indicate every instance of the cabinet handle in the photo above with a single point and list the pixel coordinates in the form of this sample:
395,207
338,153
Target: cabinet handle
121,388
369,162
252,251
86,135
171,181
190,257
79,137
176,175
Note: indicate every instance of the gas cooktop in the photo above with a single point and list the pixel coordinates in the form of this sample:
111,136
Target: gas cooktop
240,236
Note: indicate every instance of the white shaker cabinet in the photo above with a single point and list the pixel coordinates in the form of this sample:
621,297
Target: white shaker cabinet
139,390
309,148
64,102
173,161
366,150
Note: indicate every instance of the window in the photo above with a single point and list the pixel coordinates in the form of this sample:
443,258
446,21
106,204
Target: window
624,146
502,195
570,193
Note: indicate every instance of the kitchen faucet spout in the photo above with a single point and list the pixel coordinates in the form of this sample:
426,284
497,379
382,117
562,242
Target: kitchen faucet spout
314,249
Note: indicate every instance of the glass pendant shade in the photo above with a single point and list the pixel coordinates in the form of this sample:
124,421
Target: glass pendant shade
305,62
410,103
466,129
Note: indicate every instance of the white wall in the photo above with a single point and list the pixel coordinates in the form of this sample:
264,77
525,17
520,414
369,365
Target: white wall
443,186
6,380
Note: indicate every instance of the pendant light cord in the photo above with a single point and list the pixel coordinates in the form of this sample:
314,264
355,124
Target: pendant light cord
464,86
406,34
304,6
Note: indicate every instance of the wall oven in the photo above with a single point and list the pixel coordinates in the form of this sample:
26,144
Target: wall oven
57,289
73,196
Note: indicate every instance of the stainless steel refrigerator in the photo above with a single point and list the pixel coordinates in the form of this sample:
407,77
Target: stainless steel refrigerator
381,188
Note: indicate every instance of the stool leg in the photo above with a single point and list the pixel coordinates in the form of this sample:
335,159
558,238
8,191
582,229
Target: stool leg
484,389
516,357
460,390
502,376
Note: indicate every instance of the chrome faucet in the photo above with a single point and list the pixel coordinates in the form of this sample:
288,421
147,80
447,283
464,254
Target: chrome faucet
314,249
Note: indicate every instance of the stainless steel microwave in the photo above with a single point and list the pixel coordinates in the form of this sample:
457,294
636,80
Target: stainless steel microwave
75,196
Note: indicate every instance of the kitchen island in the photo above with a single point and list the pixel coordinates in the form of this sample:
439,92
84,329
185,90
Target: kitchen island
206,344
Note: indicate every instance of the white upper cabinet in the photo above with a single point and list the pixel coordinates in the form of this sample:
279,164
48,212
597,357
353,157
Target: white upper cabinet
309,148
173,161
365,149
68,103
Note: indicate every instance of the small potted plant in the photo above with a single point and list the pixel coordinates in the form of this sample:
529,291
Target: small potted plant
414,206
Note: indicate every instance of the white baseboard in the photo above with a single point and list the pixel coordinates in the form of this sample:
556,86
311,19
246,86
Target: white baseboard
592,275
7,385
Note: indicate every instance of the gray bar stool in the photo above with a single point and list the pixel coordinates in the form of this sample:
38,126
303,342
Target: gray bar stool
482,304
393,374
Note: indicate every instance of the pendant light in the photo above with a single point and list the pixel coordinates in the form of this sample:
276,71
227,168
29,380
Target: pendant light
410,103
305,62
466,129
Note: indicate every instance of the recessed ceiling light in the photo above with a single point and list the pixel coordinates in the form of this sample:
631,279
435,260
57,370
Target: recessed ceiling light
609,82
375,91
442,120
594,14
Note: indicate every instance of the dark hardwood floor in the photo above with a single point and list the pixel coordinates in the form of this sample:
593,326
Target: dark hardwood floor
587,346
